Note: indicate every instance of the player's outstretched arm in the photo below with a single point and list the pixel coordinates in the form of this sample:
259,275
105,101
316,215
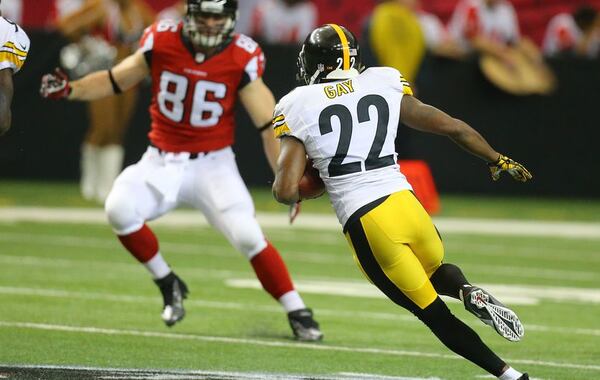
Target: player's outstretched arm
259,101
290,168
99,84
6,94
426,118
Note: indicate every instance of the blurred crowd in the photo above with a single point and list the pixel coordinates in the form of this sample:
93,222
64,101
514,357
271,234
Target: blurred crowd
447,27
396,33
571,26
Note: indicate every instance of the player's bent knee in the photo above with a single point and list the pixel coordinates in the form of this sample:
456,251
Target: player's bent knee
246,236
121,214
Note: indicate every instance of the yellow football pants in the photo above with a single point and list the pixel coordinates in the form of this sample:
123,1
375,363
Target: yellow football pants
398,248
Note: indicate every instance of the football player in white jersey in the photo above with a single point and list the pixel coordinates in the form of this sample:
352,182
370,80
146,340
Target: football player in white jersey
14,46
345,120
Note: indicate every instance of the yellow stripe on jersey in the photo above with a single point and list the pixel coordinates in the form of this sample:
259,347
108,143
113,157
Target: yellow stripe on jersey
12,58
345,46
280,127
406,89
15,49
282,130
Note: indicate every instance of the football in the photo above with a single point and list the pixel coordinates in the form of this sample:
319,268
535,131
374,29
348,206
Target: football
311,185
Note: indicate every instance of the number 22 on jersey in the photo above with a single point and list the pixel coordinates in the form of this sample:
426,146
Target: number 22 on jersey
171,100
373,160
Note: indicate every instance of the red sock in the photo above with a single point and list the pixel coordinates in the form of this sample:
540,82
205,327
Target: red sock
142,244
272,272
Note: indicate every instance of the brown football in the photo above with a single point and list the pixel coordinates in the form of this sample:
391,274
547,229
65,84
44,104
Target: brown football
311,185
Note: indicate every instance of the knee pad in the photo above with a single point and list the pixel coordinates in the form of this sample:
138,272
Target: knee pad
245,234
121,213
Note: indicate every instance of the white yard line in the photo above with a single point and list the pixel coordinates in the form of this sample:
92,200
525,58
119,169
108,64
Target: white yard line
272,343
323,257
514,294
511,294
400,316
189,218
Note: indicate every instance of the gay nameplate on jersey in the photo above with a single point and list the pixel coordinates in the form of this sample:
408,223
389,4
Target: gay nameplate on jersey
339,89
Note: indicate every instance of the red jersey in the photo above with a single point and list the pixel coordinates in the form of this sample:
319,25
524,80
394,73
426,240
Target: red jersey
193,99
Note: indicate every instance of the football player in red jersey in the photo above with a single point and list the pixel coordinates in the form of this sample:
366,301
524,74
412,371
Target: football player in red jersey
199,69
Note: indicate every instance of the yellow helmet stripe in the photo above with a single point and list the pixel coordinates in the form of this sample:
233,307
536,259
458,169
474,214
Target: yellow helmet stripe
345,46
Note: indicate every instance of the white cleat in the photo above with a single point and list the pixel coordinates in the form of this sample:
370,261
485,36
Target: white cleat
492,312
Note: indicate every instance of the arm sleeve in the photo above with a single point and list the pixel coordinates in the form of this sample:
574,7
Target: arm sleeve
147,44
15,47
280,126
287,120
252,58
397,81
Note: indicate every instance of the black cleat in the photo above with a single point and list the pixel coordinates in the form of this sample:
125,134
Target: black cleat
303,325
492,312
174,291
524,377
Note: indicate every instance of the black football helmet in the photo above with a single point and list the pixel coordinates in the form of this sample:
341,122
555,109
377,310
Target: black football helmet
330,52
202,36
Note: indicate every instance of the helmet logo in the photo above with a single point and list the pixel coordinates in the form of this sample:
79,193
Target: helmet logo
320,67
216,6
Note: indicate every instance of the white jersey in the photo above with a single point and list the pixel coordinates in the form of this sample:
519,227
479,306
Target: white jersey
348,129
14,45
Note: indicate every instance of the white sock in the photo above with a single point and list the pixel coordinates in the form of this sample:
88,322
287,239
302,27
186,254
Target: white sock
110,163
291,301
510,374
157,266
88,165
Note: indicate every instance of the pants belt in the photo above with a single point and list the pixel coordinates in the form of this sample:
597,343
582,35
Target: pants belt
193,155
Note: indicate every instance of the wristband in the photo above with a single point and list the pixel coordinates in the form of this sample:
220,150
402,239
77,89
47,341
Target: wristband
116,89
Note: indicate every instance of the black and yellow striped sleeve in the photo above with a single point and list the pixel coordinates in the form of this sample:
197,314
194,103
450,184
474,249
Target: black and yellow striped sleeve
406,89
280,127
11,56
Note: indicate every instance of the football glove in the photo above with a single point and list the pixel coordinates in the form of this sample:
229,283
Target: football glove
55,85
294,211
505,164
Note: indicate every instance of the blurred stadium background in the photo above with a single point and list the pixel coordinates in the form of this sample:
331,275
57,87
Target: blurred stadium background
73,304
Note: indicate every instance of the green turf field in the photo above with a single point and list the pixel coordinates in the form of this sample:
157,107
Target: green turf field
71,296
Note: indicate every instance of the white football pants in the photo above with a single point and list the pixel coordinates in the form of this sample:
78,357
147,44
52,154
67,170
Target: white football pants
211,183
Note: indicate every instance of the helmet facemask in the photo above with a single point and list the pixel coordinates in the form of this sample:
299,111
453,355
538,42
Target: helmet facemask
207,26
302,76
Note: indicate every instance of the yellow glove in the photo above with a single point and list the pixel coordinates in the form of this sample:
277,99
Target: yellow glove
505,164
